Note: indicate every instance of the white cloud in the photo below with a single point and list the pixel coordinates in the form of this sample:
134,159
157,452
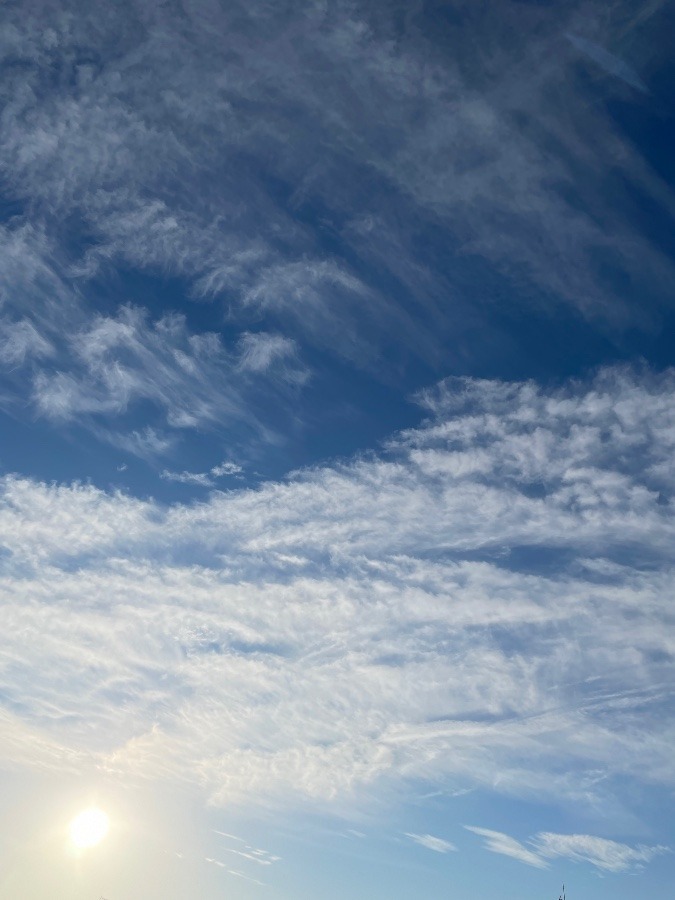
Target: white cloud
498,842
197,478
148,442
316,295
604,854
97,370
126,359
226,468
204,479
116,363
438,845
246,852
21,340
235,872
257,854
342,632
260,351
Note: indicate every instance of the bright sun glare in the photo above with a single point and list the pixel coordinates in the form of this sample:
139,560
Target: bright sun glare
89,828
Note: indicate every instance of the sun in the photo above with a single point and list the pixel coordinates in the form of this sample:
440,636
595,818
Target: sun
88,828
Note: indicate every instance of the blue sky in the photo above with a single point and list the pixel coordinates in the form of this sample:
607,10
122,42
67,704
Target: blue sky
336,489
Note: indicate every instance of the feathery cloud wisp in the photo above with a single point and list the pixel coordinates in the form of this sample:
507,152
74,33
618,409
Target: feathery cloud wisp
604,854
498,842
438,845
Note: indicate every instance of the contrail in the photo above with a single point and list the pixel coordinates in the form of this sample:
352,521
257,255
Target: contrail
607,61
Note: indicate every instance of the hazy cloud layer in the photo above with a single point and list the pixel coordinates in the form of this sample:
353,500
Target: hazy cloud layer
488,602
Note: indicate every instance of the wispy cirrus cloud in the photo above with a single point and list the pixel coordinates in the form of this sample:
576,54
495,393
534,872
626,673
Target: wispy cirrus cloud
116,364
20,341
204,479
226,468
608,61
498,842
254,854
260,351
235,872
604,854
148,443
438,139
126,358
431,842
271,354
610,856
249,177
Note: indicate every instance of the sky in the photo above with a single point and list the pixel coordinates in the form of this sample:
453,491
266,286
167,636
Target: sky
337,382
